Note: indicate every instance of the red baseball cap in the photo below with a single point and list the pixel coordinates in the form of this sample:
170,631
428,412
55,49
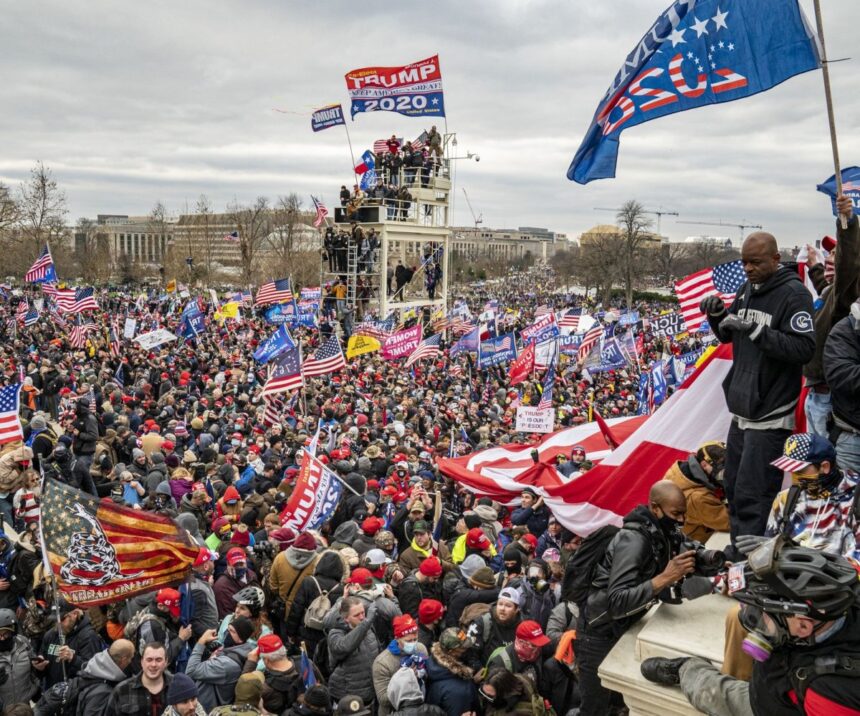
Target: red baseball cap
269,643
203,556
169,598
476,539
372,525
531,632
236,555
404,625
431,567
360,576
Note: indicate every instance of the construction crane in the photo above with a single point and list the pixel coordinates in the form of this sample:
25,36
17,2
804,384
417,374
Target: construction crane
658,213
740,225
479,219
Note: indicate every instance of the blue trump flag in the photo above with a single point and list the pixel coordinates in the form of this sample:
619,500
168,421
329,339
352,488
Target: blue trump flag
496,351
192,326
850,187
327,117
274,345
698,52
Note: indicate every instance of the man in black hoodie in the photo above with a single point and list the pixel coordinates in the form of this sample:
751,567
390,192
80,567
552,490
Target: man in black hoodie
769,325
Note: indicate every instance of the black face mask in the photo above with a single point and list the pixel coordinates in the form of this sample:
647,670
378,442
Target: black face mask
228,640
7,644
668,525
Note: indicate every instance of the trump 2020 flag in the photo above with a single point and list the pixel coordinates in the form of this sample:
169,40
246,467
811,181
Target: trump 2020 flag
696,53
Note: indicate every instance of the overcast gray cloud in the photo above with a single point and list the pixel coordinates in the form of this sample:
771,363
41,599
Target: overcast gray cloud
130,103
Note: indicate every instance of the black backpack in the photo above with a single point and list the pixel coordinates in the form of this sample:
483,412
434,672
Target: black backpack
582,565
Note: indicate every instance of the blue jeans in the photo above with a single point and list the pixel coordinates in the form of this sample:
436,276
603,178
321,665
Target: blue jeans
817,409
848,451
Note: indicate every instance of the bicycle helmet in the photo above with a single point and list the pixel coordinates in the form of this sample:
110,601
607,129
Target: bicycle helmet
8,620
800,580
251,597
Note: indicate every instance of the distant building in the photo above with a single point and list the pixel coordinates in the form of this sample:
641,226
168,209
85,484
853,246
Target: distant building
721,241
506,244
596,234
132,239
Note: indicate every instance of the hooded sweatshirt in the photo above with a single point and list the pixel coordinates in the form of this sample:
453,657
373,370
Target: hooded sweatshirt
403,689
98,679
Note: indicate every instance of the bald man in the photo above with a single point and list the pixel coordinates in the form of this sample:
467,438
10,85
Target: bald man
637,567
770,327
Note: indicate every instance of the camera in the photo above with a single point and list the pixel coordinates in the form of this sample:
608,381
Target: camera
265,549
708,563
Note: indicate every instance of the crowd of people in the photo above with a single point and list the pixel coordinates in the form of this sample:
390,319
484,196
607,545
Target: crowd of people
417,596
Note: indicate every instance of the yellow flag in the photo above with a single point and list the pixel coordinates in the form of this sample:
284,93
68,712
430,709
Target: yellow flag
409,313
704,356
230,310
171,286
359,345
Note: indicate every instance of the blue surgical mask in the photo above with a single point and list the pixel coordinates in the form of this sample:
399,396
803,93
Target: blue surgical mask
409,647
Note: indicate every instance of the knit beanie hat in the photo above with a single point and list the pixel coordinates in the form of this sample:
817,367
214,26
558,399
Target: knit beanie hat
472,563
244,628
181,689
483,578
317,699
249,689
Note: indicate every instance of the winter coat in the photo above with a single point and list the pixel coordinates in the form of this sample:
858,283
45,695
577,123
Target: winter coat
21,684
10,468
199,513
131,697
621,591
412,557
350,655
463,598
328,572
97,681
384,667
449,683
281,689
839,296
88,434
226,586
763,383
289,569
536,520
412,591
405,693
706,512
561,619
83,640
179,488
842,368
205,608
217,676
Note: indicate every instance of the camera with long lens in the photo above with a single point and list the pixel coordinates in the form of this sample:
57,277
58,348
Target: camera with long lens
265,549
708,563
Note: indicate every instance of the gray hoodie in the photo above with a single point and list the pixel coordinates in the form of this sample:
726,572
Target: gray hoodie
403,689
97,681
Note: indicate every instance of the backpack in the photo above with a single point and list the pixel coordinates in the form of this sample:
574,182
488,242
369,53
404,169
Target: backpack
582,565
132,628
317,609
61,699
472,613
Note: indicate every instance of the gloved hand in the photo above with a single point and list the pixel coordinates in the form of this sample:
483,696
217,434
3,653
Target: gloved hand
712,305
748,543
737,324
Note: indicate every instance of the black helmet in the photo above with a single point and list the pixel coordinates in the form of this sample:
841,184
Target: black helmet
251,597
8,620
799,580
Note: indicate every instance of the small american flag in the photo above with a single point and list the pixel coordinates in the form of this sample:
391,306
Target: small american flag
723,279
428,348
232,236
31,317
285,373
418,144
455,370
42,269
542,310
22,310
380,146
545,401
10,424
75,300
570,319
115,342
322,212
78,334
589,340
58,319
273,408
274,292
327,359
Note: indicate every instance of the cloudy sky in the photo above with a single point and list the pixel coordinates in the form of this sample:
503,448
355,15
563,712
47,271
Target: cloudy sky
131,103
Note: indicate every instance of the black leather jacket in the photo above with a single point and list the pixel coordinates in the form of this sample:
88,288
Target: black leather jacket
621,591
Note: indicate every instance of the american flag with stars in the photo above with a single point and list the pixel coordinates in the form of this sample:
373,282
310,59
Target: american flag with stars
428,348
570,319
285,373
589,340
724,280
80,331
274,292
545,401
75,300
42,269
10,423
321,211
327,359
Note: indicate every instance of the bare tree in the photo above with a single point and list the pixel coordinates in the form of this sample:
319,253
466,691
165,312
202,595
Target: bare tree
599,263
158,226
204,221
669,261
8,208
254,225
41,212
634,233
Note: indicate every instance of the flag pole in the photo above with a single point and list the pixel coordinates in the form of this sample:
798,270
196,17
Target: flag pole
828,96
351,153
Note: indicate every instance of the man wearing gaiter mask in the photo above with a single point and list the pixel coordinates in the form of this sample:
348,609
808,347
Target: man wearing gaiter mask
803,609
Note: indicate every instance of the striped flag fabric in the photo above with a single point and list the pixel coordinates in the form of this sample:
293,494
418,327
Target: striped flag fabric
78,334
375,329
273,408
10,423
570,319
50,289
321,210
327,359
114,340
233,236
31,317
58,319
75,300
274,292
428,348
545,401
285,373
589,340
542,310
724,280
22,310
101,552
43,269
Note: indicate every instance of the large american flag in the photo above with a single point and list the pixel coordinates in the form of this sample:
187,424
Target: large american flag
42,269
570,319
274,292
75,300
10,424
428,348
327,359
380,146
589,340
322,212
285,373
724,280
80,331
